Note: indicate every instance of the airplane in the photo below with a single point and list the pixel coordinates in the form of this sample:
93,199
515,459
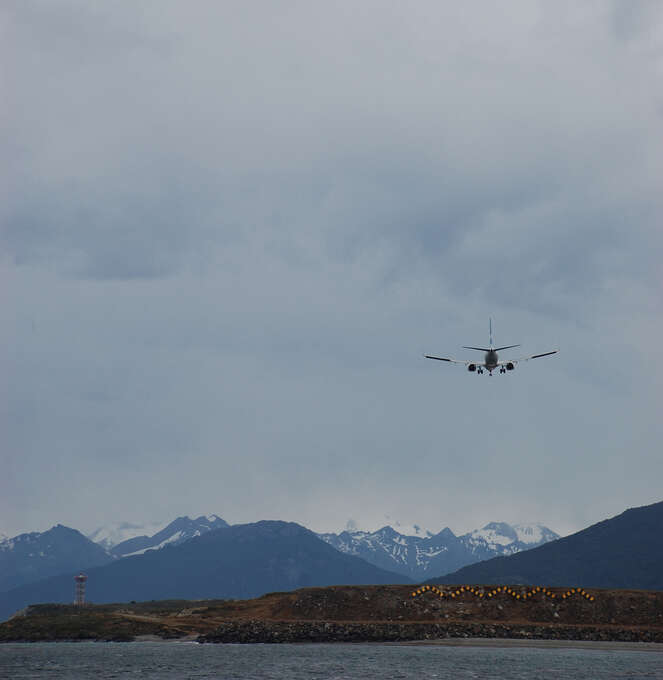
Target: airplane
491,360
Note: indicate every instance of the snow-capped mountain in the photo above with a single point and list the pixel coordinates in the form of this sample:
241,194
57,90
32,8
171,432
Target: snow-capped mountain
500,538
422,557
178,531
412,556
38,555
109,536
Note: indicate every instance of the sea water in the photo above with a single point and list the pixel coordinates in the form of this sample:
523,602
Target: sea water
164,660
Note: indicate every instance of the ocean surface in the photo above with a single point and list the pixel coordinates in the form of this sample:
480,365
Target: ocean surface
181,660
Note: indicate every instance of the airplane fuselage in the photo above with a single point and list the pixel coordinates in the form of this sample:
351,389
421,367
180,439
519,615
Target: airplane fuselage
490,360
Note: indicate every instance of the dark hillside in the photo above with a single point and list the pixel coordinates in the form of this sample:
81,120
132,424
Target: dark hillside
623,552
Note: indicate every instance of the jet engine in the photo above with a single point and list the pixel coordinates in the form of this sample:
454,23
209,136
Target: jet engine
471,367
510,366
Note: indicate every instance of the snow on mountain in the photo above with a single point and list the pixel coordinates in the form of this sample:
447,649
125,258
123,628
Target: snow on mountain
111,535
403,528
413,556
534,533
424,554
174,538
410,530
179,530
500,538
495,536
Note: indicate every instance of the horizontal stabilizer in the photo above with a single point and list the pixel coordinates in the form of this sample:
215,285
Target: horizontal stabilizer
499,349
481,349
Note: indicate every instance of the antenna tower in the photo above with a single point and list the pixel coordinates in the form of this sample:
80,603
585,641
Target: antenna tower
80,589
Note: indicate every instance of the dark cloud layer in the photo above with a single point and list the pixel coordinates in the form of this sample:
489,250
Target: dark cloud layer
230,231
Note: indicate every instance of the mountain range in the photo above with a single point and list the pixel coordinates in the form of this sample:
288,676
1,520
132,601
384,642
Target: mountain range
418,557
35,556
30,558
405,549
240,561
192,559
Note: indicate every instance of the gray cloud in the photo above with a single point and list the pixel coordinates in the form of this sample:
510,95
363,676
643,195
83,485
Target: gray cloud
229,233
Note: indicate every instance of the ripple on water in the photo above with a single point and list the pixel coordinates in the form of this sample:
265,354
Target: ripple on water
103,661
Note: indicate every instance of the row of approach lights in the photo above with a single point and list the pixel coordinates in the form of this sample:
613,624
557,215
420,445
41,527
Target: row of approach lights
523,594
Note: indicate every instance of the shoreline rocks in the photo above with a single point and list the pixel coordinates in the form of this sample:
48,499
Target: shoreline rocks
256,631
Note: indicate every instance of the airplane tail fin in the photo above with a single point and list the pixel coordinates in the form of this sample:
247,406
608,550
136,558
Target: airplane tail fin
497,349
491,348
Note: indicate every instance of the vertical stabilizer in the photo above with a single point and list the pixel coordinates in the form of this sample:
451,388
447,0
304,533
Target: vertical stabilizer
490,331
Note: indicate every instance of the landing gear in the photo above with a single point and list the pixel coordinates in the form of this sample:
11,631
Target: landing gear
480,371
502,370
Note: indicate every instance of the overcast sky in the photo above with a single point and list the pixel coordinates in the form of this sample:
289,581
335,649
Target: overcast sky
230,230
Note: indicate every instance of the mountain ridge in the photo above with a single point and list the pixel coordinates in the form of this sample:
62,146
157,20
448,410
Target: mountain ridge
417,556
179,530
624,551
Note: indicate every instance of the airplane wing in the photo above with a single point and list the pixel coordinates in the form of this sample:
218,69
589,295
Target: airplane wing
454,361
533,356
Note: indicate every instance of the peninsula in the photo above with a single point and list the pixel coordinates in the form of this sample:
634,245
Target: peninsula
359,614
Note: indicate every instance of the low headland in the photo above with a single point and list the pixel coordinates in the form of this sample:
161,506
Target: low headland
359,614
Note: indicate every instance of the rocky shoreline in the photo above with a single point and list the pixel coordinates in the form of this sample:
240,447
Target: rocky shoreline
252,632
